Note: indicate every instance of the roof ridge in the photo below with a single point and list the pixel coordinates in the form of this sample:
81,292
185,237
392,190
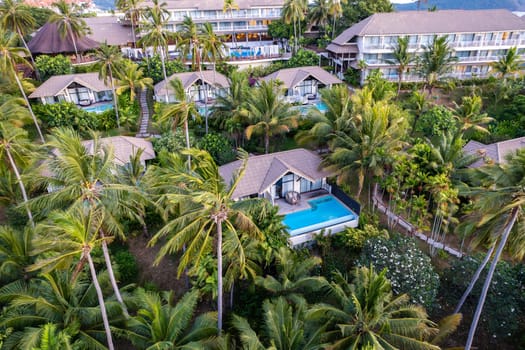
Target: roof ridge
370,19
268,170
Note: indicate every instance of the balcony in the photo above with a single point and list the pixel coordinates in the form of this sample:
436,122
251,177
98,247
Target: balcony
179,16
479,59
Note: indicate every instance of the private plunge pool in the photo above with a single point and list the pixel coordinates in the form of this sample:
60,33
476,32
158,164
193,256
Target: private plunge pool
324,213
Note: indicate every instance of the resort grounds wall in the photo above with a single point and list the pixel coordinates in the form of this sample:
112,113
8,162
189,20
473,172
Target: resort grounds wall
346,199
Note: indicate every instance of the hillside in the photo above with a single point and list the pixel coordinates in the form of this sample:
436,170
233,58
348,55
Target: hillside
513,5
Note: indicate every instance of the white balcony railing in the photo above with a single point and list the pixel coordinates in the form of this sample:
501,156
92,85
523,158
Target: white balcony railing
453,44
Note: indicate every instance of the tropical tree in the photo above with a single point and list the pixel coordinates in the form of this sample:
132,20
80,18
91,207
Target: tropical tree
17,18
366,315
69,22
285,328
418,105
294,12
9,58
212,46
402,59
269,114
335,10
509,64
435,61
191,42
75,234
205,206
229,6
133,10
15,253
319,14
162,324
110,65
132,79
470,116
50,338
156,35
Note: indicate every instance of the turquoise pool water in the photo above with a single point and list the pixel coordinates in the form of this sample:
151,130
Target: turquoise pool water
323,212
306,108
99,108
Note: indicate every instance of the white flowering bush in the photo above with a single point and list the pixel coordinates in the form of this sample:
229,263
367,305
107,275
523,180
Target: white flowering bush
408,268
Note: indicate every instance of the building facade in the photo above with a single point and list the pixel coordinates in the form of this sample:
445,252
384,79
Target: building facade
477,37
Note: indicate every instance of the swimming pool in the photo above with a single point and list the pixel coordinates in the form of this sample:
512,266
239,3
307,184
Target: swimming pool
306,108
324,211
99,108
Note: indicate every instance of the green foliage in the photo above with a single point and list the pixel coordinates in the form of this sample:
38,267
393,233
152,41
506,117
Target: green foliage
409,270
219,147
153,68
52,65
129,111
40,14
170,142
65,114
505,300
355,238
436,122
303,58
280,30
353,76
267,219
355,11
127,266
87,68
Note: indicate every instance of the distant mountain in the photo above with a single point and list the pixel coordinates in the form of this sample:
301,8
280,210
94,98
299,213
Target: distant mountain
104,4
513,5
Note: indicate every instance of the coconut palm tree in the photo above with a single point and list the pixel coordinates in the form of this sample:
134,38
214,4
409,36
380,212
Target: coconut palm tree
285,328
133,10
212,46
9,58
156,35
75,234
160,323
402,59
435,61
269,114
205,206
229,6
469,115
294,12
17,18
191,40
15,253
508,64
319,14
132,79
110,65
335,9
366,315
69,21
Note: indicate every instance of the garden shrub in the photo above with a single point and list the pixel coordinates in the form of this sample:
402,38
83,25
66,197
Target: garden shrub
219,147
408,268
48,66
303,58
436,122
355,238
127,266
153,68
171,141
65,114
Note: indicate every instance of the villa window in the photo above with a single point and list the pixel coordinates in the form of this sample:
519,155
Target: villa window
307,186
373,40
308,86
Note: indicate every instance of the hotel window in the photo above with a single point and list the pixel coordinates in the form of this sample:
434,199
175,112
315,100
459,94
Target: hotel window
370,57
412,40
451,38
426,39
467,37
505,36
489,36
373,40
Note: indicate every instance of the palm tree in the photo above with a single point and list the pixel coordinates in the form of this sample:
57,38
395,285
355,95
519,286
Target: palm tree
132,79
319,14
156,18
161,324
508,64
110,65
368,316
285,328
69,21
17,18
15,145
75,234
269,114
9,58
50,338
205,205
191,42
335,10
15,253
402,59
498,206
436,61
419,105
133,9
230,5
293,12
212,45
469,115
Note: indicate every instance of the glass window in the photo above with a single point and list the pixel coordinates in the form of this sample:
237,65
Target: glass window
467,37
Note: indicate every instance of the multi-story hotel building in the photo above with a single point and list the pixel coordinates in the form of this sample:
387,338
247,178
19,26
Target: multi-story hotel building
477,38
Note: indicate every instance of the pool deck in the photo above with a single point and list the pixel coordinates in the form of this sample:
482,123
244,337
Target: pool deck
286,208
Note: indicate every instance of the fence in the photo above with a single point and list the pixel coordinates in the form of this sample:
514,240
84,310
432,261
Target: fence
347,200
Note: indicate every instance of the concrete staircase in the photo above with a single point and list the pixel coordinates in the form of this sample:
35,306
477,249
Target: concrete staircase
144,118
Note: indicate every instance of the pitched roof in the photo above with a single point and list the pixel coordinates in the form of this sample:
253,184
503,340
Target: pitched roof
189,78
48,40
436,22
124,147
264,170
54,85
109,29
217,4
291,77
494,152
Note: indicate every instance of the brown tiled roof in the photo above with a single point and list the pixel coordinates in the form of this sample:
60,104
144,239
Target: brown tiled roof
47,40
264,170
336,48
54,85
494,152
436,22
109,29
189,78
124,147
290,77
217,4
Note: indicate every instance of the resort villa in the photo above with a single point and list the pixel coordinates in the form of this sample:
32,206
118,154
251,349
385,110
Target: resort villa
294,181
477,37
303,83
85,90
202,86
494,153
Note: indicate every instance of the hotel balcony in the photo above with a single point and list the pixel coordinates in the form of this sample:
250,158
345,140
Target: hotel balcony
454,44
179,17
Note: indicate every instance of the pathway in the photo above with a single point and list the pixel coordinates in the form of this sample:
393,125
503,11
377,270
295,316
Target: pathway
378,202
144,112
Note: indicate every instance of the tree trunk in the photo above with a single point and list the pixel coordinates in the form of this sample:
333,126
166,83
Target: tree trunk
30,54
361,182
21,185
187,135
114,96
111,274
164,72
266,143
488,279
74,44
399,83
295,36
474,279
100,301
219,275
231,295
132,17
204,85
28,104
